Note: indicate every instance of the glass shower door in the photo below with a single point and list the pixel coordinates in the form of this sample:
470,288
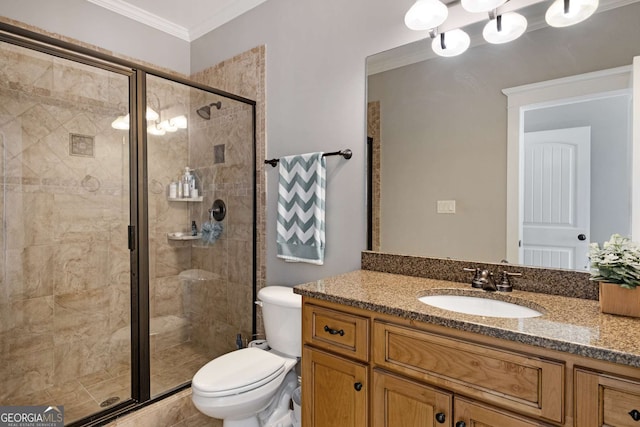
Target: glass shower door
65,266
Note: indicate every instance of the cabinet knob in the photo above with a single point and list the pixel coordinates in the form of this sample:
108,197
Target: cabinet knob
440,417
635,414
358,386
461,424
333,331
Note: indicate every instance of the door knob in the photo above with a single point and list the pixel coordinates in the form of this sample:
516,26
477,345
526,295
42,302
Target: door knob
582,237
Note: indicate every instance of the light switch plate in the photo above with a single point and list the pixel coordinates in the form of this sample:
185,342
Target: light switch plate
446,206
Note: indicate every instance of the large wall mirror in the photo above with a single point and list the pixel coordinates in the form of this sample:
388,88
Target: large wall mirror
498,153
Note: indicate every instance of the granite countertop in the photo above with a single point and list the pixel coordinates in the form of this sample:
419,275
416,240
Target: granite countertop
570,325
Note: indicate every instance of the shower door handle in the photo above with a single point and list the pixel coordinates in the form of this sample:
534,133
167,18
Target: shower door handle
132,237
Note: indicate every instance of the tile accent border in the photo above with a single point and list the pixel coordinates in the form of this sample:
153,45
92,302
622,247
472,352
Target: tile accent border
566,283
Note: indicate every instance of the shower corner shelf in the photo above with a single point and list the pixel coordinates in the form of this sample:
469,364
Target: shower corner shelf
185,199
180,235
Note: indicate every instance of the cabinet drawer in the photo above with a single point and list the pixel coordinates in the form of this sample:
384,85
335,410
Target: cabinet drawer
605,400
523,383
336,331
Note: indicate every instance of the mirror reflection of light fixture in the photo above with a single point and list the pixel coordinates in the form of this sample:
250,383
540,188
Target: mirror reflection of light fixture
476,6
121,123
451,43
426,14
563,13
155,129
504,28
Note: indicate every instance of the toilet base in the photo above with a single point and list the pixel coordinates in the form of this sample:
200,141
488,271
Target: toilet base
247,422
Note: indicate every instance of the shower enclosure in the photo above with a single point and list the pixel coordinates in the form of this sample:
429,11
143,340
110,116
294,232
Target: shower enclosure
106,299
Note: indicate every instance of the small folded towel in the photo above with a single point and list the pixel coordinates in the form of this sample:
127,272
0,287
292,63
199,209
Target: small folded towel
301,208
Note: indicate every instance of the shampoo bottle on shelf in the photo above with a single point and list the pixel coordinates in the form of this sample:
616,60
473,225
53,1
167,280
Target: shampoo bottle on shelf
186,184
194,228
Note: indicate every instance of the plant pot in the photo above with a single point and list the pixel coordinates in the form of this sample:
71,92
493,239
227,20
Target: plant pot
615,299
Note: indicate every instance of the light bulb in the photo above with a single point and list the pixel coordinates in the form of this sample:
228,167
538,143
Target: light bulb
121,123
179,121
477,6
167,126
512,26
451,43
579,10
151,114
154,129
426,14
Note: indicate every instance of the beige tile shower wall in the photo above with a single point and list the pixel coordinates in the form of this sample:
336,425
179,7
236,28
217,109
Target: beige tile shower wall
373,131
230,259
65,284
168,155
229,296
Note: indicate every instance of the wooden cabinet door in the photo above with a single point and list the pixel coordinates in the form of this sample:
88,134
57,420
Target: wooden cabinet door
401,402
605,400
471,414
334,390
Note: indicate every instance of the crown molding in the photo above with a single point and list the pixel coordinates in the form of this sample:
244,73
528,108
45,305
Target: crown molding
144,17
220,17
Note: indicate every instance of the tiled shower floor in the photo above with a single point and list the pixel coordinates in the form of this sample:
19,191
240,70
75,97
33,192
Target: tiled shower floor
81,397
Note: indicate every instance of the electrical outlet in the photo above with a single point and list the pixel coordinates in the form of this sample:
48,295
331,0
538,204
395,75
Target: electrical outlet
446,206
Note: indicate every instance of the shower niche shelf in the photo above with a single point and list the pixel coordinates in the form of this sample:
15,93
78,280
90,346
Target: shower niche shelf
181,235
186,199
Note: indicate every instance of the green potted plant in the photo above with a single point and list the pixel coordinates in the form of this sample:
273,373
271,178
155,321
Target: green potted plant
617,267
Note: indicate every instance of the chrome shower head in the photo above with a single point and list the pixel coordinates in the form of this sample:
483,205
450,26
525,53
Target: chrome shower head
205,112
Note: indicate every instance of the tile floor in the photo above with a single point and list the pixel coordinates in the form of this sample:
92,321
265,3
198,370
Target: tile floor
81,397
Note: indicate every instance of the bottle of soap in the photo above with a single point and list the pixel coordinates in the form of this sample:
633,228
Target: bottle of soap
186,183
194,228
173,190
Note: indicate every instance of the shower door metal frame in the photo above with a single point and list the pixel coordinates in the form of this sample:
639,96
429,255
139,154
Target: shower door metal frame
138,229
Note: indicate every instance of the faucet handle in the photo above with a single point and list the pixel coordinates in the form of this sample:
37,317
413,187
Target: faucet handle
505,283
476,282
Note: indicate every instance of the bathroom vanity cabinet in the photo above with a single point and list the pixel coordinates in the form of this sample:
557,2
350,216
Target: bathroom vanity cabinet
365,368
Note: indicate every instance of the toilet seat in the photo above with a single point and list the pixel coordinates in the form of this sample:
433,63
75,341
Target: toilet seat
237,372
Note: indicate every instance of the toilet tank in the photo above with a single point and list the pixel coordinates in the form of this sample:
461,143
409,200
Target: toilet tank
282,315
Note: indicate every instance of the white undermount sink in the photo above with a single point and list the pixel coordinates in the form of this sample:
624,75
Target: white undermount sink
479,306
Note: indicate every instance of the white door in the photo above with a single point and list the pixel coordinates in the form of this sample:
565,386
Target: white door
556,205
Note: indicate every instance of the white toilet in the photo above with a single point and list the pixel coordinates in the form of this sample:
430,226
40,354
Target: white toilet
252,387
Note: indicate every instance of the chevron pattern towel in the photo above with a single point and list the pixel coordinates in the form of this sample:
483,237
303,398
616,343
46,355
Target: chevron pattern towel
301,208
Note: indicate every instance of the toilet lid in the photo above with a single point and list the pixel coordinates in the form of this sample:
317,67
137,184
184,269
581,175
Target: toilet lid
237,372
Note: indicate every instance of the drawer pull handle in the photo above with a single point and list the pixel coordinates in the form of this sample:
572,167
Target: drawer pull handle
461,424
440,417
333,331
358,386
635,414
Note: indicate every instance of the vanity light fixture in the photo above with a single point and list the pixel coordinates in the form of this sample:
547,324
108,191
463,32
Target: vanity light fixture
504,28
451,43
426,14
477,6
122,122
155,129
172,125
563,13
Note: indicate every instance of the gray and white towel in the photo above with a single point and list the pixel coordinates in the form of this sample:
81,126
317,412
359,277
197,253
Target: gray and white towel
301,198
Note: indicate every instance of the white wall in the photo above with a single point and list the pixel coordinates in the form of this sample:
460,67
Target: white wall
316,54
95,25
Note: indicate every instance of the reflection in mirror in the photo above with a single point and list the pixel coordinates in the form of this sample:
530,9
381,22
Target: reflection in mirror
439,131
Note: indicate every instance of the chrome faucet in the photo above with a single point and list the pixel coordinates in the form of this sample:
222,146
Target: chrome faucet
483,279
